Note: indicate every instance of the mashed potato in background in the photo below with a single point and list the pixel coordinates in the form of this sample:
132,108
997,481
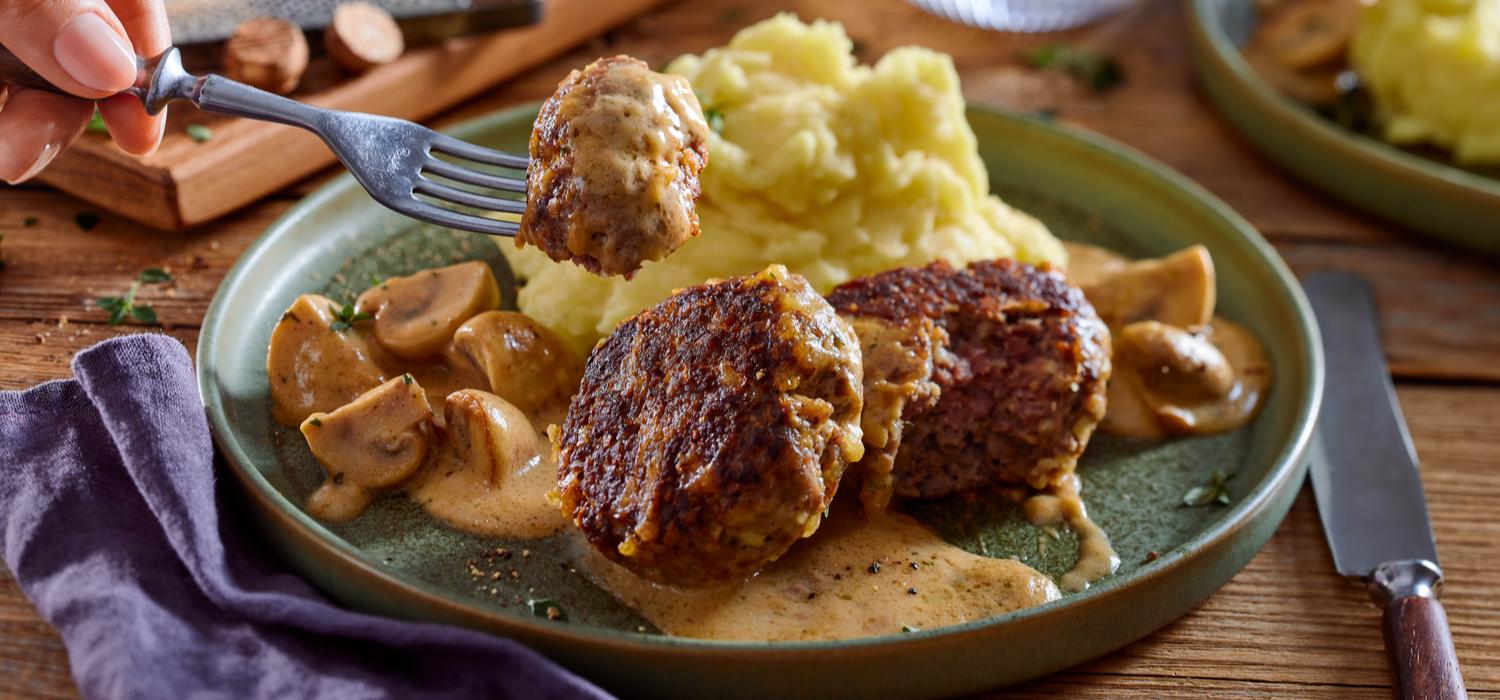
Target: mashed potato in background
1433,67
833,169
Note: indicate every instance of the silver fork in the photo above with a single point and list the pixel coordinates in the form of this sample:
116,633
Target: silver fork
393,159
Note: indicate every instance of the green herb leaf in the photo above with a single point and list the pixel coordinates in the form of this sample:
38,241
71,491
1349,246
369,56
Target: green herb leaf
154,275
86,221
122,309
199,133
1096,70
407,378
715,119
30,221
548,608
375,280
346,317
908,629
1216,491
97,125
316,422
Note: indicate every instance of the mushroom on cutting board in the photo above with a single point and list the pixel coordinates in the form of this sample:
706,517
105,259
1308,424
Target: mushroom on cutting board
1177,290
373,443
313,367
415,316
524,362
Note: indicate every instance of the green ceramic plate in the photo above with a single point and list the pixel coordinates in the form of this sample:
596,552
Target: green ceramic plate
1424,194
396,561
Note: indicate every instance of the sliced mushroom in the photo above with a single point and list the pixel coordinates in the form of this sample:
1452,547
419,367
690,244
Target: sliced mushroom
1176,290
524,362
486,436
1309,33
1091,264
488,475
416,316
313,367
1170,381
372,444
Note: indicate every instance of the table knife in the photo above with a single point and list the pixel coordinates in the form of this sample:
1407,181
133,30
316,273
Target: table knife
1369,492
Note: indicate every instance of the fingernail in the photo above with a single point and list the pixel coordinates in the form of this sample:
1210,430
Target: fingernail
94,54
43,159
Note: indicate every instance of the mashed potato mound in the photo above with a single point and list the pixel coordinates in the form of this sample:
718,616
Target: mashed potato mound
833,169
1433,67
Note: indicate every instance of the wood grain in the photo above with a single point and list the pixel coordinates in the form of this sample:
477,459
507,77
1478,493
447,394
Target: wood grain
1424,665
1286,626
186,183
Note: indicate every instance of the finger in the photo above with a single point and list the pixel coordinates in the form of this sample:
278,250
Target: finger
77,45
34,127
132,129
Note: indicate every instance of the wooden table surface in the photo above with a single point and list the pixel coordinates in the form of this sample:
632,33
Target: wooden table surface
1287,626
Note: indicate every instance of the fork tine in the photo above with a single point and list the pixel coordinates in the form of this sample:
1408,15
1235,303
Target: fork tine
472,177
433,214
466,198
468,151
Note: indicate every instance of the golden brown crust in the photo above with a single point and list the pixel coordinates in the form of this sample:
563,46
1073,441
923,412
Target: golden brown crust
615,157
1021,377
711,430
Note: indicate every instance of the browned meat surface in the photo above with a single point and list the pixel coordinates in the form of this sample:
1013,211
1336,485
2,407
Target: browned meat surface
615,157
711,430
1020,379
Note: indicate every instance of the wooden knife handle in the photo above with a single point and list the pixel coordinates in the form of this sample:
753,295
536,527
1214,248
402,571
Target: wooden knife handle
1424,665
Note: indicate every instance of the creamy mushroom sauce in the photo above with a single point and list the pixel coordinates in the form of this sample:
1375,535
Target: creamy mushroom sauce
489,470
1178,368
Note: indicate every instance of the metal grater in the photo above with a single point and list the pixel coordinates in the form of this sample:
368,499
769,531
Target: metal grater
210,21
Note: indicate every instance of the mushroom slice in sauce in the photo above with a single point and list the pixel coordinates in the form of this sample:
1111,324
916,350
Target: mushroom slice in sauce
1170,381
372,444
415,316
523,362
313,367
490,474
1177,289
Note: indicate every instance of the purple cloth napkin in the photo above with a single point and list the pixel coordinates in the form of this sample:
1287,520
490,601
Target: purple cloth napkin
112,527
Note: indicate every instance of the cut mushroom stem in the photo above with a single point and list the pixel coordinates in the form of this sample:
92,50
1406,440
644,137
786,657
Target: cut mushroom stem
372,444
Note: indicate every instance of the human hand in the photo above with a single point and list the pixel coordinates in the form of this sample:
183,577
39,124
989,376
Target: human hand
87,47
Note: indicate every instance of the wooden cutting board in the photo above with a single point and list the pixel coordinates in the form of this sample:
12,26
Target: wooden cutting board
186,183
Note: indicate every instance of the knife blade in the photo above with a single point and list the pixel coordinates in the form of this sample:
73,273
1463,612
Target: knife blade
1369,490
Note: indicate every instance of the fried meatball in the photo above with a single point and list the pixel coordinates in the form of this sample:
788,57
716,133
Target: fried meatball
1021,374
711,430
615,157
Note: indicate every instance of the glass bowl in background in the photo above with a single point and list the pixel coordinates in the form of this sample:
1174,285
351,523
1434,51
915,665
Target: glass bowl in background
1023,15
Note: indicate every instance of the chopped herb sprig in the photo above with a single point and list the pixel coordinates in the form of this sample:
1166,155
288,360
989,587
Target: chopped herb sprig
1096,70
124,308
548,608
154,275
1216,491
345,318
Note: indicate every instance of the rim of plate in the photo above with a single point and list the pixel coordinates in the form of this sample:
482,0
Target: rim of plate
1284,464
1207,27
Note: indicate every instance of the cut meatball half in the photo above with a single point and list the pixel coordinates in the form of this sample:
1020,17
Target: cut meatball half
711,430
615,157
1020,370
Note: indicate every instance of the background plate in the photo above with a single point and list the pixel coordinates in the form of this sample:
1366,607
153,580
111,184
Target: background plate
1426,195
396,561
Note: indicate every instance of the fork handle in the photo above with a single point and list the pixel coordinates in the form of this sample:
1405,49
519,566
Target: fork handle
14,72
162,79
